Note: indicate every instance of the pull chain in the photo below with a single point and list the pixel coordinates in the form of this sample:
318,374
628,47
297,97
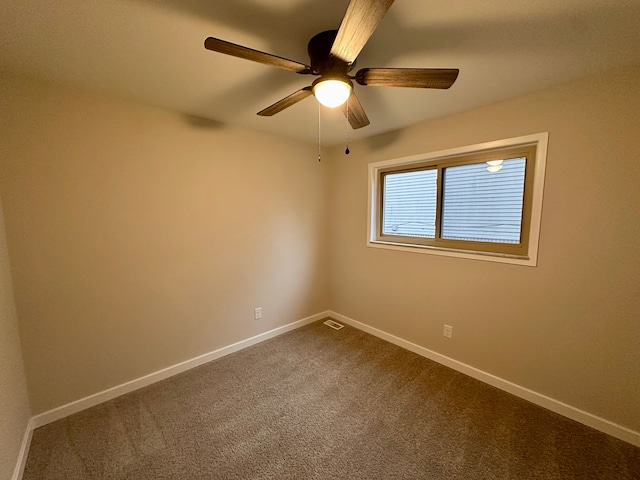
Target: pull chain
319,134
346,130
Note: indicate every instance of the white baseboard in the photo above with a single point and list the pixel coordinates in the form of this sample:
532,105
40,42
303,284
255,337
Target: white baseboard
111,393
24,451
556,406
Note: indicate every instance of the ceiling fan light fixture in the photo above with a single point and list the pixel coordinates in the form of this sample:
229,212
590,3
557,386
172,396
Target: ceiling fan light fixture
332,92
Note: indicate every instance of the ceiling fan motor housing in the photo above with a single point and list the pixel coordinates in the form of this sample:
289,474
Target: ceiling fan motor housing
322,62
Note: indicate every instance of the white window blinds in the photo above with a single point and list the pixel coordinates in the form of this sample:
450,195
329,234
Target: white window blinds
409,205
483,205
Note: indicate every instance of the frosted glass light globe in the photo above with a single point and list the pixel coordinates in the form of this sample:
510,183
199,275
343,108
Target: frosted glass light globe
332,93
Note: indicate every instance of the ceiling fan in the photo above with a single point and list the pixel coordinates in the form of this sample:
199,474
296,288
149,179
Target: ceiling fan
333,55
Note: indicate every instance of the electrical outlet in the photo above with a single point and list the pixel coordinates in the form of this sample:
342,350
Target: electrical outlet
257,313
448,331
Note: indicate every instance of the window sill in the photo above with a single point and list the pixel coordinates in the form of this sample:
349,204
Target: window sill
448,252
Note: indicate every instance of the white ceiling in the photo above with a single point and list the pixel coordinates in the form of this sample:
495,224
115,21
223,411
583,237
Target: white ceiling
152,51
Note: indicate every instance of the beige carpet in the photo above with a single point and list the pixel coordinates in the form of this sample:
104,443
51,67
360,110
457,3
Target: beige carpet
317,403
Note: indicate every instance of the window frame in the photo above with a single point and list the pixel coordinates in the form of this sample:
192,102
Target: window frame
534,147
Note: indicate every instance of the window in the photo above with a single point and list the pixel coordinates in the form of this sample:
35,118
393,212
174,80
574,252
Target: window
482,201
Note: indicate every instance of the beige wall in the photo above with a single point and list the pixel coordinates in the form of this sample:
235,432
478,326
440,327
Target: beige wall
141,238
14,404
568,328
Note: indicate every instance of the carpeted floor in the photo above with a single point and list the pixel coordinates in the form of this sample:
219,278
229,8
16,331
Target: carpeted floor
317,403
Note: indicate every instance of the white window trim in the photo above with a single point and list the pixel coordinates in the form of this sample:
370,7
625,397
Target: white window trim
531,259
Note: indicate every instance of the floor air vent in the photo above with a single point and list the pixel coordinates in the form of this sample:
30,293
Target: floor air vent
333,324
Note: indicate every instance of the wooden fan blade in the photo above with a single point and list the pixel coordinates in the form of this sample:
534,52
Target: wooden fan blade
359,23
356,116
229,48
408,77
286,102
